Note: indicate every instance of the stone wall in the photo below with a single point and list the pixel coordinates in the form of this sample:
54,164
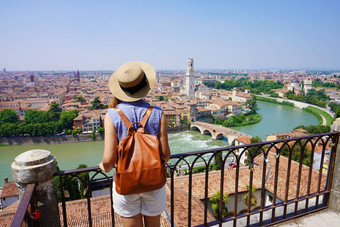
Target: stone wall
66,138
179,129
47,139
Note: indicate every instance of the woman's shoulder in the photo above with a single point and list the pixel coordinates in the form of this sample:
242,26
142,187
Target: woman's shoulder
141,104
110,110
112,113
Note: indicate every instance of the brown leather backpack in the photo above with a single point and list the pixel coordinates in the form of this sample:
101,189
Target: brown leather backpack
139,167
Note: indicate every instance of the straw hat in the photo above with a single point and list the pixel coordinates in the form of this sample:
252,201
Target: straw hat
132,81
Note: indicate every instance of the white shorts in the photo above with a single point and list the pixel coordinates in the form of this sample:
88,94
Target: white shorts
148,203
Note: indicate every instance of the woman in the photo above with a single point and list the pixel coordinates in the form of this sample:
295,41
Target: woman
129,84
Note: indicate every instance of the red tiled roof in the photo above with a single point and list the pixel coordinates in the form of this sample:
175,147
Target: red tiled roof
9,189
244,139
77,213
293,177
77,210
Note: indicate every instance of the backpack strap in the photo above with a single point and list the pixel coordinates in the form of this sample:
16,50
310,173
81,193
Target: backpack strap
124,118
146,116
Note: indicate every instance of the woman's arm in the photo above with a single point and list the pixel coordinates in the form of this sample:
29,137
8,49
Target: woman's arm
110,145
163,140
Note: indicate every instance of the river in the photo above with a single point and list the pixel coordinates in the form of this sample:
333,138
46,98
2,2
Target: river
275,118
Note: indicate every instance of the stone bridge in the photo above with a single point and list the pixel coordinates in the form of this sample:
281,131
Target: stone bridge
216,131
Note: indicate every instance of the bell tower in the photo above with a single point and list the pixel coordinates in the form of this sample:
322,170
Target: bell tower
190,79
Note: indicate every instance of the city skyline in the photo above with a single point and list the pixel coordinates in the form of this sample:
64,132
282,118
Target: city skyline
219,35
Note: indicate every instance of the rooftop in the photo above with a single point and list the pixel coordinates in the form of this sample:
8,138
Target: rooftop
9,189
297,189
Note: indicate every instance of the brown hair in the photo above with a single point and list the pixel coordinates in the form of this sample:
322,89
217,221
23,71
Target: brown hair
114,102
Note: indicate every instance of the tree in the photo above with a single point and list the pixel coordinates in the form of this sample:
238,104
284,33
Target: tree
54,111
315,129
66,119
74,133
337,114
217,85
216,204
97,104
29,129
7,129
58,128
73,188
93,134
252,105
335,108
68,132
36,116
296,153
100,131
253,200
78,98
8,116
230,122
83,180
218,160
184,121
253,151
274,94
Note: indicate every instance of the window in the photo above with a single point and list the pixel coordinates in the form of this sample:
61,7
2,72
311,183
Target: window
270,198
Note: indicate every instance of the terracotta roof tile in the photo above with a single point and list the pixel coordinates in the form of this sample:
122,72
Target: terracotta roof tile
9,189
77,210
77,213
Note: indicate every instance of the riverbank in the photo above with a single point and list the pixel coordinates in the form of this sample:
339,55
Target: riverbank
7,141
324,116
240,120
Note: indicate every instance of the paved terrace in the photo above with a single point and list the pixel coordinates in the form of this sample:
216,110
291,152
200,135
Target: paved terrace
326,218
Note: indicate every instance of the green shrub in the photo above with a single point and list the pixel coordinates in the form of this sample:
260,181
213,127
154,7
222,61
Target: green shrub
253,201
215,199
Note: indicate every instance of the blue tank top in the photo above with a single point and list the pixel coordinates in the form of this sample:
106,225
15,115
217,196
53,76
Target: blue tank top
135,111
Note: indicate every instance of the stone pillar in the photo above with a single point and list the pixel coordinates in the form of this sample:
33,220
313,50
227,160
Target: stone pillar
334,199
38,166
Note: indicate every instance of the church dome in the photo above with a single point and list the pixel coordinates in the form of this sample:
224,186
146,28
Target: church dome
295,81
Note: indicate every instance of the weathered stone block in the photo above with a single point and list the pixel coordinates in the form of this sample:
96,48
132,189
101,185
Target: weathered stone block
38,166
34,166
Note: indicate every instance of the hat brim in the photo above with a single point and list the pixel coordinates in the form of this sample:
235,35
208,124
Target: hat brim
119,93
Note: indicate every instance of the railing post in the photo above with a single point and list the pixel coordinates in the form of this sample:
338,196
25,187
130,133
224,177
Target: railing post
334,200
38,166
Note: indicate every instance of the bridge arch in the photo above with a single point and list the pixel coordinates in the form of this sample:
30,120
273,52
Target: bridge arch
220,136
196,128
216,131
207,132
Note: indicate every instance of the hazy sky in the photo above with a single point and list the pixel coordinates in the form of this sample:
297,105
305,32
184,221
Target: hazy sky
102,35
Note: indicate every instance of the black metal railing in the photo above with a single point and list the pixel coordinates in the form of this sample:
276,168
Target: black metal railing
288,176
24,215
92,183
306,148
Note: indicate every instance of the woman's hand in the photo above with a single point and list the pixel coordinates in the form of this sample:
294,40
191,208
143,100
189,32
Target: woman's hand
101,166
